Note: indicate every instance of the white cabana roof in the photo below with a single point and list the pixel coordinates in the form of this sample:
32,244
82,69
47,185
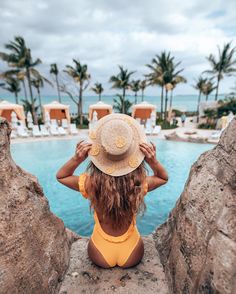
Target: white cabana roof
100,105
7,107
144,105
55,105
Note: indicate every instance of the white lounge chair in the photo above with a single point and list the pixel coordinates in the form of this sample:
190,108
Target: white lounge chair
36,132
13,134
54,122
61,131
156,130
44,131
64,123
73,129
54,130
216,134
22,132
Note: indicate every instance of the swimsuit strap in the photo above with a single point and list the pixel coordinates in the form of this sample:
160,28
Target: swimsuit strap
114,239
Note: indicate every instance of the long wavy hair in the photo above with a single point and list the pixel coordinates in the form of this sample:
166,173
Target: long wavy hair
117,198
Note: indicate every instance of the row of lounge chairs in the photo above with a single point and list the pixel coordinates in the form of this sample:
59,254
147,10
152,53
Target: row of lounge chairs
43,131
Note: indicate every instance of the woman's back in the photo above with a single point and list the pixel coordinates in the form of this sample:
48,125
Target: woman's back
115,183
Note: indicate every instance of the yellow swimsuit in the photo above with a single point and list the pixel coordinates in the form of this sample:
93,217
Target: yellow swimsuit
115,250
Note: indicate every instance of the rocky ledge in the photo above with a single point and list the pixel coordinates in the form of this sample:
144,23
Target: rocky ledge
194,251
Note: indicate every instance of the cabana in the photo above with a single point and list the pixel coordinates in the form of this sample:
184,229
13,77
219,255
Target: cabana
57,111
6,108
143,110
101,108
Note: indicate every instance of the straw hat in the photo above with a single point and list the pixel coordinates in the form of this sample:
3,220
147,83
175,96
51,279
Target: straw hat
115,144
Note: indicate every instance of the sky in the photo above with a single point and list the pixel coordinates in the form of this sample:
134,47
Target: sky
104,34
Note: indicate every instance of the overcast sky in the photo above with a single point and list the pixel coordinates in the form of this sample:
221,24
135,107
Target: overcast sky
105,33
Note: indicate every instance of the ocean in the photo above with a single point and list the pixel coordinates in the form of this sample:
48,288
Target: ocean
181,102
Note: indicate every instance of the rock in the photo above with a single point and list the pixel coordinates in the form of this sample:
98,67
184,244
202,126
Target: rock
146,277
193,138
33,241
197,243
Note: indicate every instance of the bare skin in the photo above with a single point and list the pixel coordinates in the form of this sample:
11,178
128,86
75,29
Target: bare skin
66,176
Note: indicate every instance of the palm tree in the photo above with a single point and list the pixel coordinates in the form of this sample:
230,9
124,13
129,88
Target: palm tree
39,83
28,105
143,86
80,75
12,85
158,67
122,105
122,81
171,75
54,70
176,80
98,89
223,65
208,88
20,58
135,87
199,85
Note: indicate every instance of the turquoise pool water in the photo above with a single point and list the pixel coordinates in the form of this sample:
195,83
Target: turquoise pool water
43,159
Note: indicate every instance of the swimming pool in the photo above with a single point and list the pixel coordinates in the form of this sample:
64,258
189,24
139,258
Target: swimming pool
44,158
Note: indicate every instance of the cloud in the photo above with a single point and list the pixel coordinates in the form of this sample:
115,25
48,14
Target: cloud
106,33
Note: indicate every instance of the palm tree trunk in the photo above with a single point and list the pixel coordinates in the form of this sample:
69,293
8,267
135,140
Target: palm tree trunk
217,87
162,98
135,97
198,105
40,102
123,101
99,96
171,98
25,92
142,94
58,90
166,102
80,108
31,97
207,97
16,97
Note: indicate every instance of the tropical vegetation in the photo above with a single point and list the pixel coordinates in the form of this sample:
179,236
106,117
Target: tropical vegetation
122,81
223,65
164,72
98,89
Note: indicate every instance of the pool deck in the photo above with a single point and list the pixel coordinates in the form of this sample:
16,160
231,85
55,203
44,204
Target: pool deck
84,132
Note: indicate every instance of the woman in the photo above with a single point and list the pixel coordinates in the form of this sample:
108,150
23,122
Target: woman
115,183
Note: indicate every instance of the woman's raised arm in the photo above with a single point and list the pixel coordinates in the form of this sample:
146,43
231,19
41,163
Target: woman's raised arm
160,176
65,174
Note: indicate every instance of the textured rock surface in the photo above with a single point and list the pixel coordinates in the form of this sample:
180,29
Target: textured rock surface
197,244
34,247
84,277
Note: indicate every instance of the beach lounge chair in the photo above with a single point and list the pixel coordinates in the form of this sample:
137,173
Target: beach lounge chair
54,122
156,130
61,131
44,131
13,135
216,134
54,130
36,132
148,130
64,123
22,132
73,129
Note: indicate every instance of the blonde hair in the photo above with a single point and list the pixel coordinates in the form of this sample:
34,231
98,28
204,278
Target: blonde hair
117,198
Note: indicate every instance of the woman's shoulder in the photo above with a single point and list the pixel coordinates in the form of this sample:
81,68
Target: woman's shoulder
84,184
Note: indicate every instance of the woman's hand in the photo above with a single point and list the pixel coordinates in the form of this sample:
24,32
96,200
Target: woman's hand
81,152
149,151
